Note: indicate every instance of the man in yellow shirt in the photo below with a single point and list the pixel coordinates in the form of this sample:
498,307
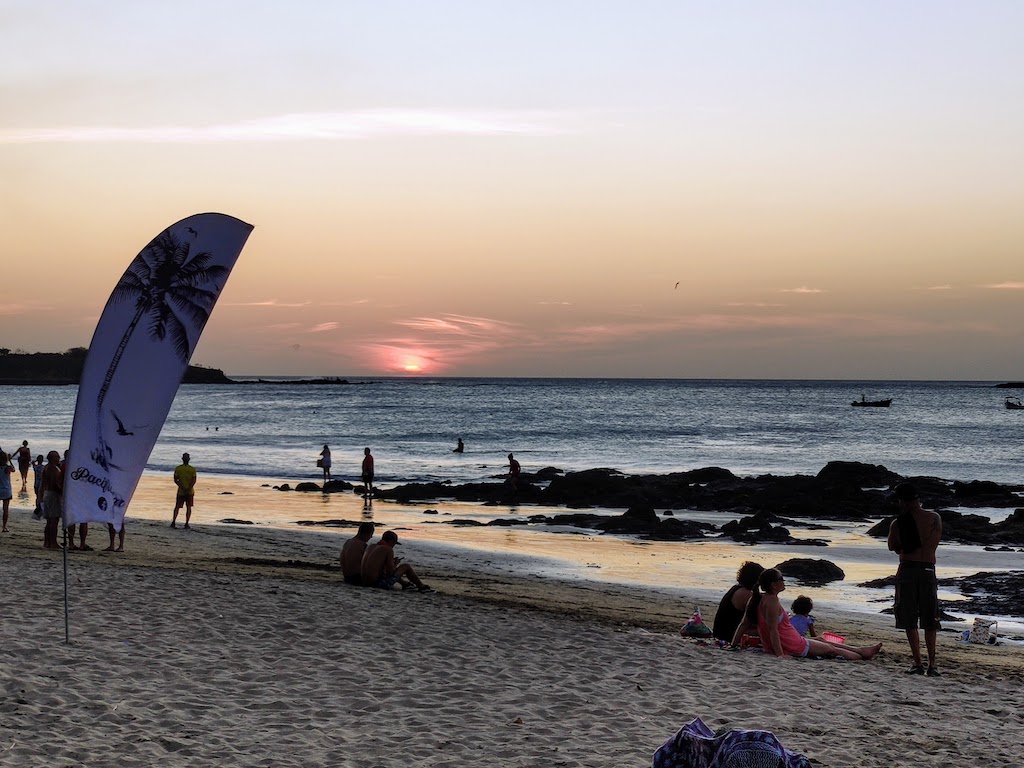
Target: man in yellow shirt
185,479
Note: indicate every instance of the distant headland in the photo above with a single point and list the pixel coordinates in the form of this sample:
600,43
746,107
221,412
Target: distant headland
57,368
65,368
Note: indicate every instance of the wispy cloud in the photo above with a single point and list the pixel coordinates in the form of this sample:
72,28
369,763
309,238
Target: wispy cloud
322,327
1008,286
268,303
802,289
935,288
754,304
457,325
305,126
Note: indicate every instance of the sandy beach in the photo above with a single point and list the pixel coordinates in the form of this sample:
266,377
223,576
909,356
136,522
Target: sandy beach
181,654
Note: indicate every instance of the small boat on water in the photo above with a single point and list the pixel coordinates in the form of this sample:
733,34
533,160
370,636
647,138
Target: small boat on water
862,403
1014,404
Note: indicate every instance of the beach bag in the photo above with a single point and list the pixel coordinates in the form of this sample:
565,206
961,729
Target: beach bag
983,632
320,463
696,627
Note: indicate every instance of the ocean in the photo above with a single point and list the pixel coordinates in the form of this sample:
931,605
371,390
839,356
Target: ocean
957,430
951,429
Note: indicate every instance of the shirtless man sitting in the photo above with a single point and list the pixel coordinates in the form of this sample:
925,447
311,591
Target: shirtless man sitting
352,554
380,568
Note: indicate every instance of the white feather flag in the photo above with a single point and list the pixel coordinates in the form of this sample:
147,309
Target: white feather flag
137,358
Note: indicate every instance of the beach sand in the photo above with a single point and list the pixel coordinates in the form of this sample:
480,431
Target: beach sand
181,655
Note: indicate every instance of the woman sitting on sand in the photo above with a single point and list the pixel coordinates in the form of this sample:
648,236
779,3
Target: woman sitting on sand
730,611
778,636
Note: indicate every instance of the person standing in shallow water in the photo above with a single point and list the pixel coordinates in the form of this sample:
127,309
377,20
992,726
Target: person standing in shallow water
914,535
367,472
185,479
460,447
325,462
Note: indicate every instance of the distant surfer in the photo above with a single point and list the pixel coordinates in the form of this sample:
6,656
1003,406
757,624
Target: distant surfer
460,447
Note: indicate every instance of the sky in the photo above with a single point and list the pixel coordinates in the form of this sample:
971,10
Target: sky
813,190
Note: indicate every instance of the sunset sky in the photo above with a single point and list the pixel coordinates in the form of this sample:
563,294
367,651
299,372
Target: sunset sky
585,188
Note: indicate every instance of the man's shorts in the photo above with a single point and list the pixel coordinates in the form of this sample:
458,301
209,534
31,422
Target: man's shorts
387,582
917,598
185,498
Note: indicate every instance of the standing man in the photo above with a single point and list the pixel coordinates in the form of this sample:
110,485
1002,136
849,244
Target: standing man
352,554
367,472
914,535
513,472
185,479
51,486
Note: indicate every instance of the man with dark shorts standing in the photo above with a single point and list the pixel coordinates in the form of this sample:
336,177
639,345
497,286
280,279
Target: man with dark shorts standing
185,479
367,472
914,535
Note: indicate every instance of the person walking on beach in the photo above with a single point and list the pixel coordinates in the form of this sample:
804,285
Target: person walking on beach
37,481
352,554
52,489
380,568
367,472
914,535
513,472
325,462
24,462
6,491
185,479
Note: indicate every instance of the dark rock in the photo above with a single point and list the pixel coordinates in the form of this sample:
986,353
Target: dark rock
813,572
548,473
336,486
430,512
333,523
234,521
854,473
1000,549
679,530
887,581
463,523
306,487
282,487
506,521
227,493
986,488
808,542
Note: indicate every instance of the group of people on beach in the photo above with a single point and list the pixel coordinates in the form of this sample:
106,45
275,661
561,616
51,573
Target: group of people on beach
376,565
751,611
365,470
48,487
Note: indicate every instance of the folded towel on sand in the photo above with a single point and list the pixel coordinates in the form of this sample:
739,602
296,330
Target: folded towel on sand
696,746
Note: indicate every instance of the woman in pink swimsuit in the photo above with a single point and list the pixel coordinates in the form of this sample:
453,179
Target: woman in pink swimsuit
778,636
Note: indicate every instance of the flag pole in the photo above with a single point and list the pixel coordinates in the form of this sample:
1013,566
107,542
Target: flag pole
67,622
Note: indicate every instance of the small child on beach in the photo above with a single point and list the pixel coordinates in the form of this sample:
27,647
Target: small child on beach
801,619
